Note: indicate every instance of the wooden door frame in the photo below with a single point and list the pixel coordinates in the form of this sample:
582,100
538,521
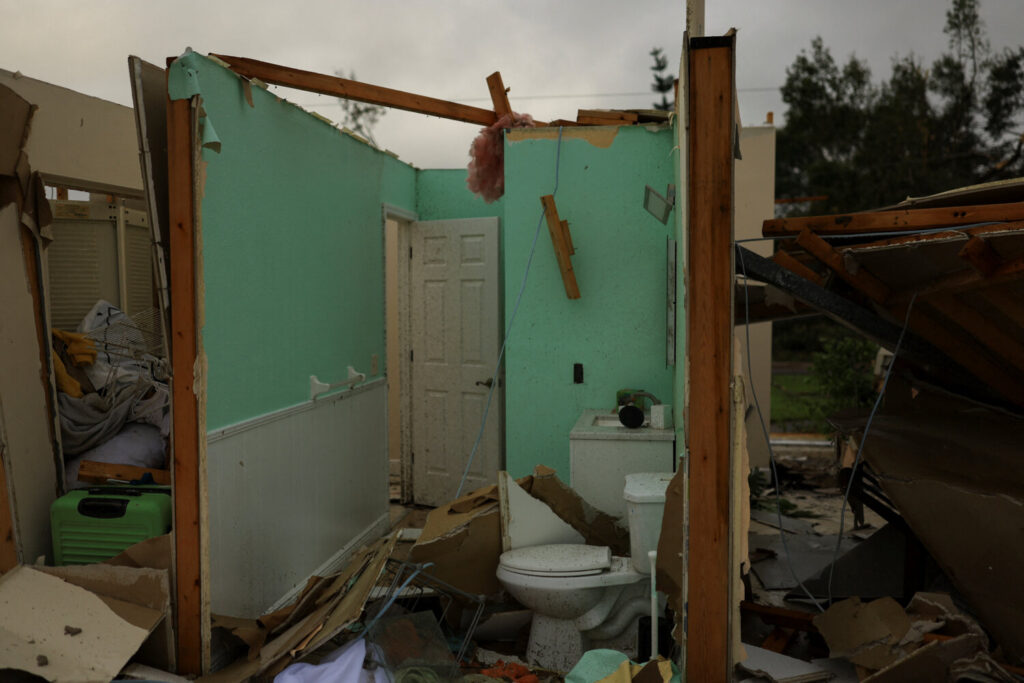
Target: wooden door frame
403,338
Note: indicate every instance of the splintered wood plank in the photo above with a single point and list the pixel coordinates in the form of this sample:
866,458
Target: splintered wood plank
608,115
567,236
185,450
709,320
940,236
859,278
100,472
981,255
786,260
896,220
558,239
594,121
499,94
354,90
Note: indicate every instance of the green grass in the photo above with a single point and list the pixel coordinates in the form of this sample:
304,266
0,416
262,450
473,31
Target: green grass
792,398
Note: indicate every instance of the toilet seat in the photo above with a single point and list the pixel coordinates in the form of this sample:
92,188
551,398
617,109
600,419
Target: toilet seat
558,560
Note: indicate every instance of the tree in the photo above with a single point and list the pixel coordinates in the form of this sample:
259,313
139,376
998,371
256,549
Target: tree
663,83
923,130
359,117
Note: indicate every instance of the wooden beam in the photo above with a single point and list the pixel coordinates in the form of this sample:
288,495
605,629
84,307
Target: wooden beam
610,115
101,472
354,90
951,341
786,260
558,239
709,321
594,121
499,94
965,279
981,256
896,220
986,331
1012,306
185,441
567,236
859,278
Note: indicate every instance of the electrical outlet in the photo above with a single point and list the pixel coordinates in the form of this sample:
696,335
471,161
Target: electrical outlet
373,364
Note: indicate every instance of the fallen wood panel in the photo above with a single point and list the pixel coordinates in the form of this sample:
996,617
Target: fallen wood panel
900,220
354,90
709,288
100,472
981,255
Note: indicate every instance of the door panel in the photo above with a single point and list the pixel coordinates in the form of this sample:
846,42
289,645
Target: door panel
456,337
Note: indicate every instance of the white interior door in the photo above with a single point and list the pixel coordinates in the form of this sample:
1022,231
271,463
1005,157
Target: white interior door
456,337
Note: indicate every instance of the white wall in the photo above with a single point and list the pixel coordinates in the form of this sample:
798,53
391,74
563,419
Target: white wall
312,482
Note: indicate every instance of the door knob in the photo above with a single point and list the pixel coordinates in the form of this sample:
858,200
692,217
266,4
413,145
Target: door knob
486,383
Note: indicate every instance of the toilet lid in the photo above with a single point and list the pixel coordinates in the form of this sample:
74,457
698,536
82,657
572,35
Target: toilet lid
561,559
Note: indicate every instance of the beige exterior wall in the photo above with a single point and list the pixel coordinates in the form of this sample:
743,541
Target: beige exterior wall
79,141
755,201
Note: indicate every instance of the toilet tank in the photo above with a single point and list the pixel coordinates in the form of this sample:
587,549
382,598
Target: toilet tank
645,503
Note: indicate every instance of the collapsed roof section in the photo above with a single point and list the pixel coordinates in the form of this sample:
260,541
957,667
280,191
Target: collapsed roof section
950,269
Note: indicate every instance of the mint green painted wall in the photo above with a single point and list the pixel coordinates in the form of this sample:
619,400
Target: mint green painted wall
442,194
617,328
292,246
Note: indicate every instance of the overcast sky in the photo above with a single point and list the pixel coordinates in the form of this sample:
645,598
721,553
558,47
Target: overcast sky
557,56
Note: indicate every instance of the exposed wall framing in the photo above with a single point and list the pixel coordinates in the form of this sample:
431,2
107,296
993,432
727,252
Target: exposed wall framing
709,322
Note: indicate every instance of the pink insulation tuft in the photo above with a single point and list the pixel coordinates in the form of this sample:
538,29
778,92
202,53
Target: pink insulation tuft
487,157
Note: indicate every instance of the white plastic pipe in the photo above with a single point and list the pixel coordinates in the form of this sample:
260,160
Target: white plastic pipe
652,555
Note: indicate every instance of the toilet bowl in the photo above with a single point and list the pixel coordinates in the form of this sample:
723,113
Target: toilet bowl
582,596
573,591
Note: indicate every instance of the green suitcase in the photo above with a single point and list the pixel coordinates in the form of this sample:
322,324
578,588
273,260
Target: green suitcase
95,524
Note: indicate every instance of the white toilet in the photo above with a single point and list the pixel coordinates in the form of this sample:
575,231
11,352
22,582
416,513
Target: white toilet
580,595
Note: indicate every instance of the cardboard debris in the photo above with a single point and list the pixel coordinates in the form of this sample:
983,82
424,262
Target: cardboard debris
953,470
463,538
37,607
931,641
867,634
765,664
325,608
961,658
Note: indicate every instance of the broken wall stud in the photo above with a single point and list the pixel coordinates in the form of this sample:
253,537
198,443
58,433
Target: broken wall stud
562,241
499,94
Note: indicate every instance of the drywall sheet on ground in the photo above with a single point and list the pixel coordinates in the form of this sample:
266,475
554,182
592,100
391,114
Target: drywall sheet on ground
618,325
441,194
954,472
292,245
79,140
290,494
61,632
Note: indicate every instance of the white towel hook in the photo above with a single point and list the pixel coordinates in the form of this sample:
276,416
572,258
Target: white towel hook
316,387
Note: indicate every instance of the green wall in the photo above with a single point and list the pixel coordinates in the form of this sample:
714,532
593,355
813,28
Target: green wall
442,194
617,328
292,246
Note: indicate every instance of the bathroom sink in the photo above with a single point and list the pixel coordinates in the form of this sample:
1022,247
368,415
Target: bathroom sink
612,420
